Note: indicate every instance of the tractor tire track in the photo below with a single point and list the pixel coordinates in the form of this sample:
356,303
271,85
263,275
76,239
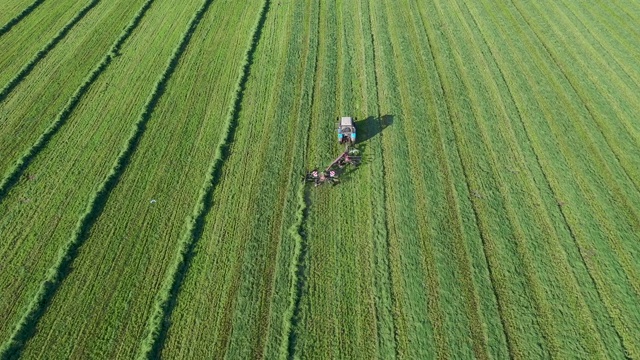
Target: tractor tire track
23,14
384,236
15,172
26,327
532,149
158,323
298,231
482,231
618,193
583,257
42,53
588,107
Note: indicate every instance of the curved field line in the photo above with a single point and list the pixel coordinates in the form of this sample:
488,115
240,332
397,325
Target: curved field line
58,272
560,208
383,220
472,301
611,309
587,104
572,277
42,53
496,292
23,14
157,325
597,37
631,273
13,174
298,232
544,319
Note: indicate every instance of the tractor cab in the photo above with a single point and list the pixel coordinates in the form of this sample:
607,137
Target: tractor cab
346,130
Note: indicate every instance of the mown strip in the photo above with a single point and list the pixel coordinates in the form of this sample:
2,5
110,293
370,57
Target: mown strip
13,174
562,180
16,19
386,303
26,69
610,186
57,273
157,323
513,310
298,230
562,289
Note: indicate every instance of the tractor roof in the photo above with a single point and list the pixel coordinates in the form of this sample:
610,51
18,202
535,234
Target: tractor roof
346,121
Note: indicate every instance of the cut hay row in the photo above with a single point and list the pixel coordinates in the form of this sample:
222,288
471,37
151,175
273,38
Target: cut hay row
243,259
340,311
40,97
510,285
526,221
387,319
296,277
561,285
181,130
15,65
151,202
14,173
158,322
547,157
471,311
31,219
6,7
409,247
58,271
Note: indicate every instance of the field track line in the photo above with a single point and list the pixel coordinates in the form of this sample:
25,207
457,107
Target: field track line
42,53
481,230
299,268
23,14
562,213
624,10
298,232
538,163
585,103
620,254
13,174
601,44
480,341
384,219
158,324
26,327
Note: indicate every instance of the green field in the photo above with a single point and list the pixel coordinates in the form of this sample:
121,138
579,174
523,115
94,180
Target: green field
152,155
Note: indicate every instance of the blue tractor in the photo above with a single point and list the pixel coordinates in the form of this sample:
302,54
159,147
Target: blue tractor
346,135
346,130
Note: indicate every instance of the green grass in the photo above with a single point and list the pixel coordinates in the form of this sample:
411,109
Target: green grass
495,215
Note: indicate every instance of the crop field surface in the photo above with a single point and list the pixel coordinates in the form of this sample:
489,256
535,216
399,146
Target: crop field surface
152,156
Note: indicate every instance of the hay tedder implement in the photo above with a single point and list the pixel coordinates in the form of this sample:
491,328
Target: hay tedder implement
346,136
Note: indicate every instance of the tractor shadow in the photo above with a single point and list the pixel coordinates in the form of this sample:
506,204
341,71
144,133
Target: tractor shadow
367,129
371,126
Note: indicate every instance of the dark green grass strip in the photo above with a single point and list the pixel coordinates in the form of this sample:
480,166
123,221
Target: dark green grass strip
13,174
481,229
385,316
26,327
42,53
158,324
298,232
23,14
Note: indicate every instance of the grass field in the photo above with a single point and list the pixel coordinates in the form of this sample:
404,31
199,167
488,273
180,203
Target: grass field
151,201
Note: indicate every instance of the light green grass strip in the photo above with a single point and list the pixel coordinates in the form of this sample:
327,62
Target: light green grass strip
156,325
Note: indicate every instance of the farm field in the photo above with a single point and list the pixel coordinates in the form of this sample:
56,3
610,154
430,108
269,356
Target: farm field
152,157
